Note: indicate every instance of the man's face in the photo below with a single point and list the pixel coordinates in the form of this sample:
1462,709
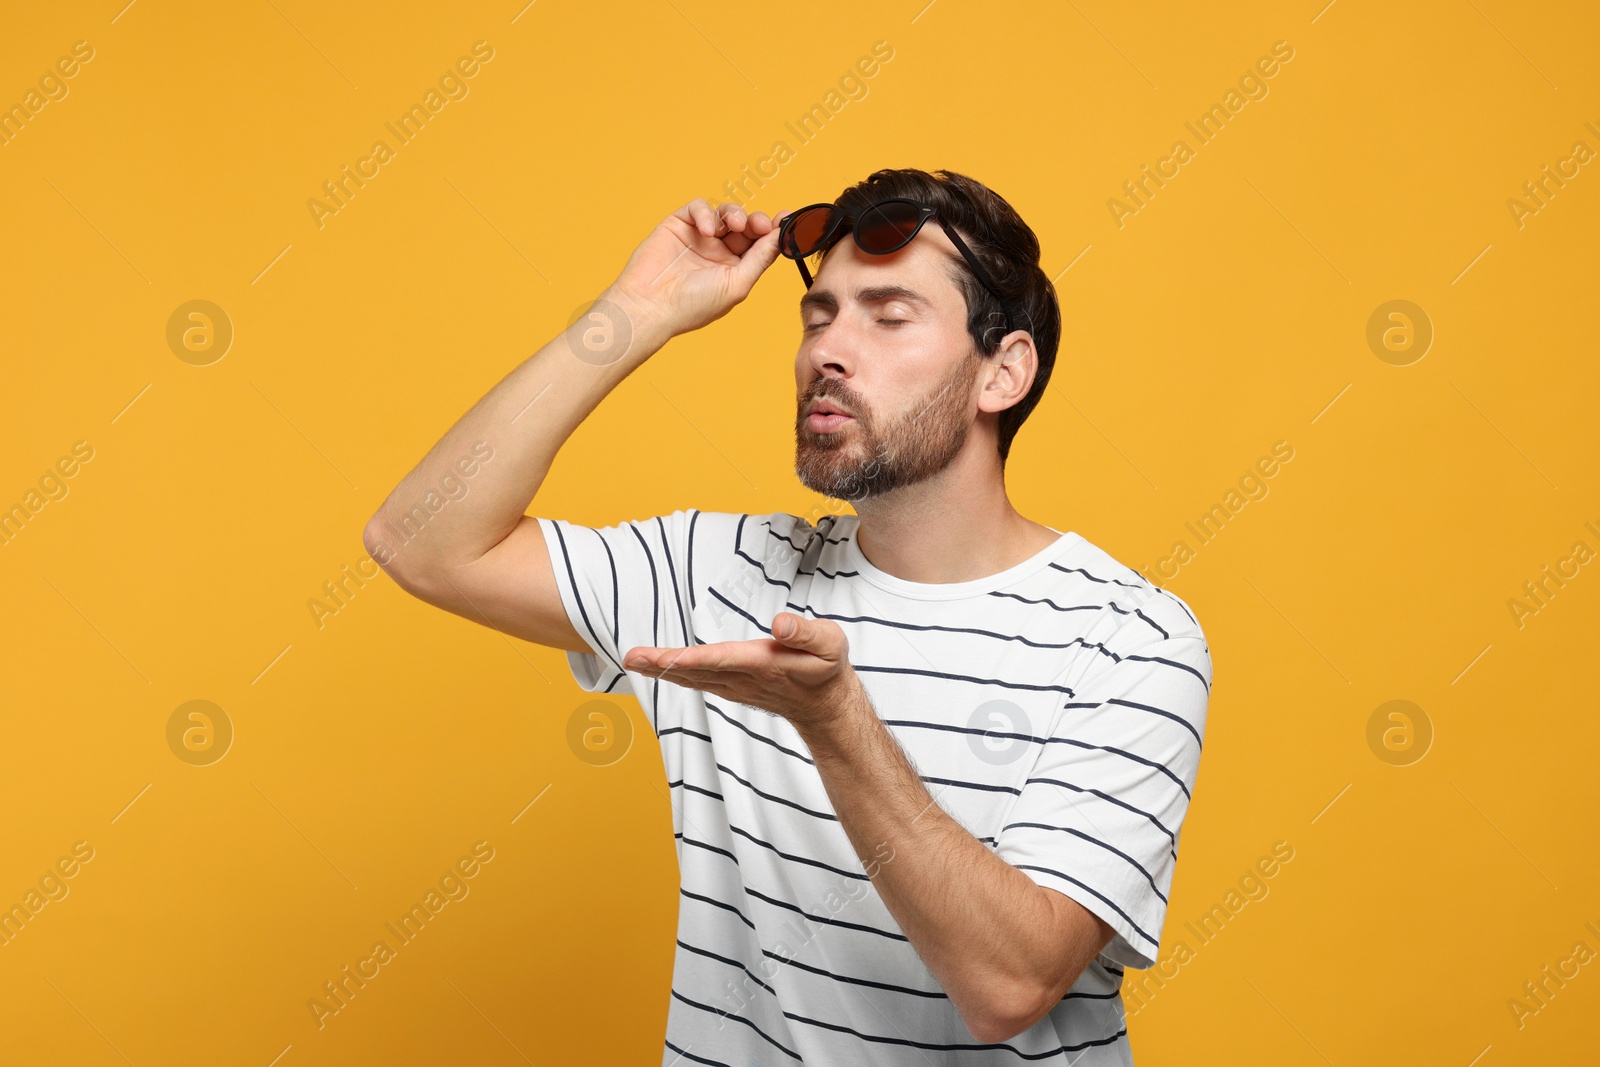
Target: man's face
885,339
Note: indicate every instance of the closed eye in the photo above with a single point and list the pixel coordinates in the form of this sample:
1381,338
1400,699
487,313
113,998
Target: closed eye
886,322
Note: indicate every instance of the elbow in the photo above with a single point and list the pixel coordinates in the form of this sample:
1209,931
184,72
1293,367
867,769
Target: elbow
1008,1013
997,1030
372,541
376,539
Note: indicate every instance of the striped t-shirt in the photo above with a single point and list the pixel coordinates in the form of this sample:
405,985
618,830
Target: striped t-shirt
1055,710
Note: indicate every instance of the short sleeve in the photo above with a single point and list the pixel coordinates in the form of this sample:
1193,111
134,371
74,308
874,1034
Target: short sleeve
622,586
1099,814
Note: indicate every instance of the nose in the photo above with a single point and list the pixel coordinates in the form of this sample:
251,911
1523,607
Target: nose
814,366
832,350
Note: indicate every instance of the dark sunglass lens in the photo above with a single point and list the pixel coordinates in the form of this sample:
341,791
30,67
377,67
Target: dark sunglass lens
885,227
807,231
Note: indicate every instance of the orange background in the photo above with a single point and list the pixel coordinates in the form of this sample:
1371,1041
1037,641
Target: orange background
371,751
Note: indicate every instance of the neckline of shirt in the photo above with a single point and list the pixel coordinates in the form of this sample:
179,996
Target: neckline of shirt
856,560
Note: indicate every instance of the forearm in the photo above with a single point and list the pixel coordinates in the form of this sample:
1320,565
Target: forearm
524,419
976,921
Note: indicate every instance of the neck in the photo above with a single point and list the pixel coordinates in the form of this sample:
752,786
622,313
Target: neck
948,528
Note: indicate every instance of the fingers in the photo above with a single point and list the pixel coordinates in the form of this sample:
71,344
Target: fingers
727,218
699,214
739,656
757,223
710,221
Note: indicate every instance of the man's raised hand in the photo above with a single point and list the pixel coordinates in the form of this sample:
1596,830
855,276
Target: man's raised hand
696,265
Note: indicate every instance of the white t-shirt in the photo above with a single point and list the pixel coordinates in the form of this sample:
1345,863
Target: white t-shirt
1055,710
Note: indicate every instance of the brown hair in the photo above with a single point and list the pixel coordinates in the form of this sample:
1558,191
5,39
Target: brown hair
1008,250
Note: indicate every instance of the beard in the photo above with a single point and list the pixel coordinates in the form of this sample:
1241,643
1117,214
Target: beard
863,459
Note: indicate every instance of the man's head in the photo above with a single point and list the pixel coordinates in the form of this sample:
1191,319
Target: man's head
914,347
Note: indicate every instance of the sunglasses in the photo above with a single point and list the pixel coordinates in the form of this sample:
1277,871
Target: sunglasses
884,227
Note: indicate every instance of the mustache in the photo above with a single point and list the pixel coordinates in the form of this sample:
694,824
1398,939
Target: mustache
840,399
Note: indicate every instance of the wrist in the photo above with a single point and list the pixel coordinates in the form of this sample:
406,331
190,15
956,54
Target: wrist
647,326
844,725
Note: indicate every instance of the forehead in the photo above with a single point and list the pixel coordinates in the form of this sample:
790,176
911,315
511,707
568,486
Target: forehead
919,273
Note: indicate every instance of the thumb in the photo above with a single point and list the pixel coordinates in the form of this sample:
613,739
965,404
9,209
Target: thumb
792,630
756,259
820,637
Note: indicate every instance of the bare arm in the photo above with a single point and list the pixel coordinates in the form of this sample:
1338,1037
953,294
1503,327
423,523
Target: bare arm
455,532
1005,948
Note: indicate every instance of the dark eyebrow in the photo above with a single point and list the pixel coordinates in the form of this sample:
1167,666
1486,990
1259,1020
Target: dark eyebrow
822,298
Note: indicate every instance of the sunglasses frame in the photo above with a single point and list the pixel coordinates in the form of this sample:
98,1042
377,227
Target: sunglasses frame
924,213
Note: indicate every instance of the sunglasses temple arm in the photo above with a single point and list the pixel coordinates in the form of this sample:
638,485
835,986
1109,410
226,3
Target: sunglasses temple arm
983,275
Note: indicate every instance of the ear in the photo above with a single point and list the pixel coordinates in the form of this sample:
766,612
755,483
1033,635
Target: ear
1010,372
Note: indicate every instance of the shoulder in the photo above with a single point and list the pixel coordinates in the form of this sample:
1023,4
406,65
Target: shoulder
718,542
1144,644
731,533
1134,609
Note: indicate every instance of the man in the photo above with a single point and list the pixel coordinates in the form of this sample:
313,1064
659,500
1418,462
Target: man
928,761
